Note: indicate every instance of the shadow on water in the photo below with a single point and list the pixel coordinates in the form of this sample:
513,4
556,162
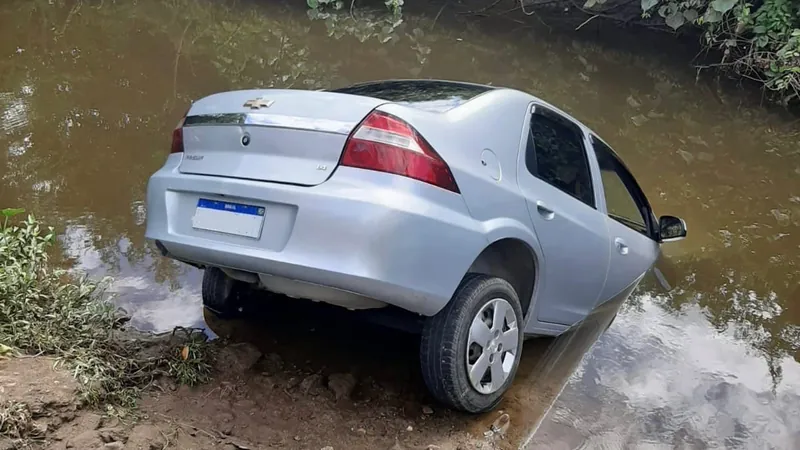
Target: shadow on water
90,90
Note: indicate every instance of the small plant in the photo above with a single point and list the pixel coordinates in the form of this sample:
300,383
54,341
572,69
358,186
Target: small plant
16,420
395,7
760,40
190,364
50,312
325,4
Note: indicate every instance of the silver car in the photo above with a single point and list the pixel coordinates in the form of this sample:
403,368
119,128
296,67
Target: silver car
486,212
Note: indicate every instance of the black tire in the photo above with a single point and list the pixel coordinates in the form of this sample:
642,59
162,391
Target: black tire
443,348
222,295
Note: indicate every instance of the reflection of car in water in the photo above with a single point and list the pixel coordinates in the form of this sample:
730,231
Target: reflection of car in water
486,211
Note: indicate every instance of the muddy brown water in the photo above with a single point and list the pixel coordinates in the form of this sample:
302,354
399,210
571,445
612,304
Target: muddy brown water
89,92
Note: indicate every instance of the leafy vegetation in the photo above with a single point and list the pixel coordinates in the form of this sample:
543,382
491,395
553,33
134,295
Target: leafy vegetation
759,40
16,420
394,6
46,311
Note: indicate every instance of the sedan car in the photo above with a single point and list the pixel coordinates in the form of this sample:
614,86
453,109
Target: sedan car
486,212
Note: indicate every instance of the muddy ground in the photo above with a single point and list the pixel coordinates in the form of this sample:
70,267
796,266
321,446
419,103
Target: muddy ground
265,394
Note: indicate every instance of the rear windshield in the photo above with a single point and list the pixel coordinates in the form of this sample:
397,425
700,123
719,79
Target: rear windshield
428,95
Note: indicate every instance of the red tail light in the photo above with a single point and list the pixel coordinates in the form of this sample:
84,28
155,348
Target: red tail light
385,143
177,138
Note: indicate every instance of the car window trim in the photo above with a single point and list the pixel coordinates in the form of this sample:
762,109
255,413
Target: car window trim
634,190
538,108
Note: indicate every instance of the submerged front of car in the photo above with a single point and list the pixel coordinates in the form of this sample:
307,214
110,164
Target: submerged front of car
315,195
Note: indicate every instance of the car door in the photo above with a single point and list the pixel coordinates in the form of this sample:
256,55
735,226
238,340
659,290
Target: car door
555,178
631,223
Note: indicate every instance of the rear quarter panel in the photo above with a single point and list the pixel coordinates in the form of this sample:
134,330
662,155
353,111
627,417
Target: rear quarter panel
490,122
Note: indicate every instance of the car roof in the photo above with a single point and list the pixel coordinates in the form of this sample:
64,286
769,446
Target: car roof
440,96
428,95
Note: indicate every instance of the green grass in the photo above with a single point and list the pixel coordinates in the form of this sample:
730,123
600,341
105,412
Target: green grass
46,311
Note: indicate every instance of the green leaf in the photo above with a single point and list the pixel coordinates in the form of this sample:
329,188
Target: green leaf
712,16
690,15
313,4
647,4
761,29
11,212
675,20
589,4
723,6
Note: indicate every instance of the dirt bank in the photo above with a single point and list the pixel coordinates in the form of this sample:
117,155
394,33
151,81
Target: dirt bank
255,401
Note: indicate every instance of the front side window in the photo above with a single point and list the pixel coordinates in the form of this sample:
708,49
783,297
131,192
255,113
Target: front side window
623,198
559,157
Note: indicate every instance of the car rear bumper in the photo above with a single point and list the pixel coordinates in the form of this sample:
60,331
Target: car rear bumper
381,236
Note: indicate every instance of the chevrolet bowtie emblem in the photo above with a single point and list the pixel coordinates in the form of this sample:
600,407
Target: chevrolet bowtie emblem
258,103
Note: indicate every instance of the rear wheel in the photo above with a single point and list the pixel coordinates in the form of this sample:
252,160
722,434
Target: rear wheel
471,349
222,295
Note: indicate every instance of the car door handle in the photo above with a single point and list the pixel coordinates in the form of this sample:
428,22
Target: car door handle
622,247
545,210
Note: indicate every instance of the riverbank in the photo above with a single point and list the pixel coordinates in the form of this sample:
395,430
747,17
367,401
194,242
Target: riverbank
256,407
73,377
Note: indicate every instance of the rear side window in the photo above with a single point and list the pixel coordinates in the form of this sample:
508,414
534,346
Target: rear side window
556,155
428,95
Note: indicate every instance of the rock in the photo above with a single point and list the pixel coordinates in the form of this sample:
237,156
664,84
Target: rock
297,438
639,120
705,156
688,157
114,446
500,426
90,421
112,434
781,216
361,432
227,423
311,384
292,382
633,102
87,439
273,363
234,445
38,429
237,358
427,410
145,437
327,447
266,381
409,428
342,385
226,428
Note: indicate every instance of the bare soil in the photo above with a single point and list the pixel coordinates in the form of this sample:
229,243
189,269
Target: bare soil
265,394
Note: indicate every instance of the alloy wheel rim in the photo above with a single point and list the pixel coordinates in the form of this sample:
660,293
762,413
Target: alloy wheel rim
492,346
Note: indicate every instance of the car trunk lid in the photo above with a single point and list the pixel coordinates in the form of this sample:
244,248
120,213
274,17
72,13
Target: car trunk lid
283,136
